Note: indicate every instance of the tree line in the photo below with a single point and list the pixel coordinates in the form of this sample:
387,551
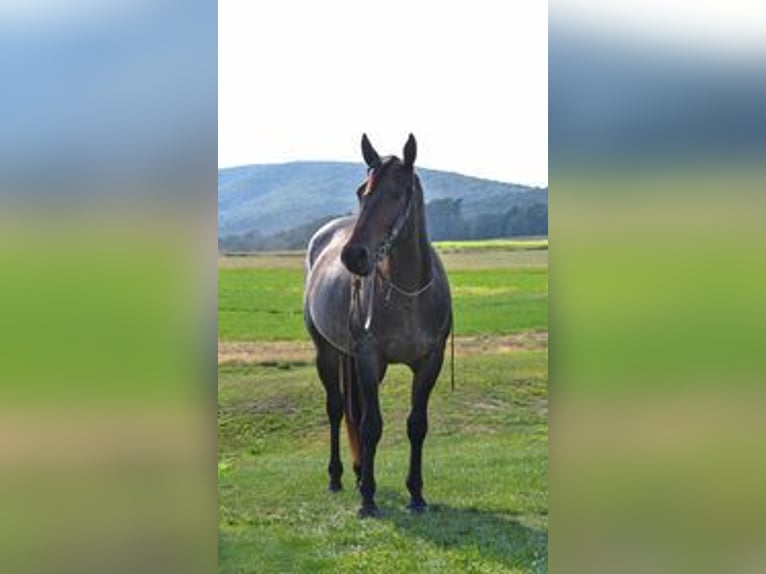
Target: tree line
446,222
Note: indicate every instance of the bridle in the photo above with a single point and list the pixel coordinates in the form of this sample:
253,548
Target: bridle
382,251
358,306
388,240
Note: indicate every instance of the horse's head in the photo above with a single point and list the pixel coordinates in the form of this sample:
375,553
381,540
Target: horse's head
385,204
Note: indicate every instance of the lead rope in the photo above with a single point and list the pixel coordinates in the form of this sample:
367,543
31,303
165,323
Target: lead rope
362,303
370,279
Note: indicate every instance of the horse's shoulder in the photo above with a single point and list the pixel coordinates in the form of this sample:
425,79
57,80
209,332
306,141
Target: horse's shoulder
324,236
327,290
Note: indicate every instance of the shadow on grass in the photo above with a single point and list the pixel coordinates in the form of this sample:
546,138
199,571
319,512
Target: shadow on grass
497,536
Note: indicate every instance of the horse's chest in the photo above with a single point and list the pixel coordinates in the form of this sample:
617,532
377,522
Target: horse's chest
407,333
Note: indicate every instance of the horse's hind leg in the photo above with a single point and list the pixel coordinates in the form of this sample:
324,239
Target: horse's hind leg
425,373
328,366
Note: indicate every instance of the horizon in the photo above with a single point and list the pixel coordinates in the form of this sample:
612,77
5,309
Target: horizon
361,165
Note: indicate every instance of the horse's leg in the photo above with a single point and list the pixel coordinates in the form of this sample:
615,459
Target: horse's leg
370,370
328,365
425,373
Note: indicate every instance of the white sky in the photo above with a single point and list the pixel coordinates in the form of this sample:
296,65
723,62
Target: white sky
730,29
303,80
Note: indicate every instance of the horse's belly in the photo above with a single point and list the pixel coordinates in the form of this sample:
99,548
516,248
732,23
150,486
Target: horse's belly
407,352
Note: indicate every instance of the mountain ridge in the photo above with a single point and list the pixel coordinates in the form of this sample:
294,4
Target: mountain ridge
272,198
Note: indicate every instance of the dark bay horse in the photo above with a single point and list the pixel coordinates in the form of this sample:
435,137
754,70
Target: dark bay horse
376,294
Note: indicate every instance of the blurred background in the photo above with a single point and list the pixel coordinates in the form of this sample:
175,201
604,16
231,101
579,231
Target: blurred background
107,286
108,165
657,145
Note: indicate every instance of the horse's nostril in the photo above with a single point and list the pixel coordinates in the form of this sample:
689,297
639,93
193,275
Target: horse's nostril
356,258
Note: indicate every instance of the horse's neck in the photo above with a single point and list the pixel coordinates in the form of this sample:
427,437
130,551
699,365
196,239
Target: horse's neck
411,258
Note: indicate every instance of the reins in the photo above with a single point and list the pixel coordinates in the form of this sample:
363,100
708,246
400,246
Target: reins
394,287
388,242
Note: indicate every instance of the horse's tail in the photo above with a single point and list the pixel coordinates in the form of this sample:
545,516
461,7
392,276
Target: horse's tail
352,407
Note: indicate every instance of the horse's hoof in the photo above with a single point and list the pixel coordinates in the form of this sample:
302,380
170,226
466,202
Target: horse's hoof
369,511
417,506
335,487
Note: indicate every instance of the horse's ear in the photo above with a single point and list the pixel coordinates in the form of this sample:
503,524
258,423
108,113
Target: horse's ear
410,151
371,157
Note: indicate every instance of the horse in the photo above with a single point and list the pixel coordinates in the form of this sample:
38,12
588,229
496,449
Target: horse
376,293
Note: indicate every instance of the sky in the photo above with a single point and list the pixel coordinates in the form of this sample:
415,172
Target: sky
732,31
302,80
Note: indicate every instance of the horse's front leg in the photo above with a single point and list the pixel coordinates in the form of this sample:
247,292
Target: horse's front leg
425,373
370,371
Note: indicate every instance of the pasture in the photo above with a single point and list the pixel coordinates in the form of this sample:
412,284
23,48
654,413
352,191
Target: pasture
260,297
485,458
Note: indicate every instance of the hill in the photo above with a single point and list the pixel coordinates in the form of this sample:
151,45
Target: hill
277,205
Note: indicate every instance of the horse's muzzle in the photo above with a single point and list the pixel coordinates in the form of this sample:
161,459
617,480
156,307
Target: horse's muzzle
357,259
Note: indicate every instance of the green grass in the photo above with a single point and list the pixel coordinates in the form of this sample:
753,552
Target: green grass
525,243
499,301
95,319
485,469
266,303
485,461
260,304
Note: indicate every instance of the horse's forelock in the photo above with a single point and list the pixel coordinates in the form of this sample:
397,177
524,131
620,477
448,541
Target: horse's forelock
377,173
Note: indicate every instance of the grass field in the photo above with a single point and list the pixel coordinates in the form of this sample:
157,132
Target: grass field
261,297
521,244
485,458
